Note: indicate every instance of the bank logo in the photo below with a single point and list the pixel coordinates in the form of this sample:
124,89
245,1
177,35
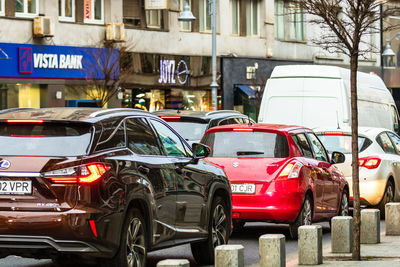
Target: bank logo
4,164
25,60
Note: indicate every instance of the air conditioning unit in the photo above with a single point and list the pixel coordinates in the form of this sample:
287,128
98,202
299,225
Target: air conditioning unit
43,27
115,32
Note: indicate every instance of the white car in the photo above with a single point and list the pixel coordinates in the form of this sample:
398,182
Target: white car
379,161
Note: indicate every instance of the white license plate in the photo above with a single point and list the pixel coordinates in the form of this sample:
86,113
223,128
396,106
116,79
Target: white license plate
15,187
243,188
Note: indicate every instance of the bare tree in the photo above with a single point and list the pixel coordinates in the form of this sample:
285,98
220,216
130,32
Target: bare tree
108,68
345,25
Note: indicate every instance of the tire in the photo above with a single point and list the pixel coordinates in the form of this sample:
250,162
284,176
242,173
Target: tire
304,218
238,225
344,204
388,196
218,233
133,243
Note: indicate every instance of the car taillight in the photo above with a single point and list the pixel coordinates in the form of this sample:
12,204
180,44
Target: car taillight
369,162
84,174
291,170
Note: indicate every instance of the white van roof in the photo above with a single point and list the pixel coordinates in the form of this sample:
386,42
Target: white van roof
324,71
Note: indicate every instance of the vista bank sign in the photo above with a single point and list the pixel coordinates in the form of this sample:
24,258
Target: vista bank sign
43,61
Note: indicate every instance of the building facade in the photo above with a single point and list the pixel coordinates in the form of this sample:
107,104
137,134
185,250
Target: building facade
171,60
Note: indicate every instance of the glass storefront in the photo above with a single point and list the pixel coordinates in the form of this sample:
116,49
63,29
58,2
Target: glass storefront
20,95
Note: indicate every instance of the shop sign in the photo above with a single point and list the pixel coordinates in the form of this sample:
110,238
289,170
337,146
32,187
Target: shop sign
156,4
170,72
42,61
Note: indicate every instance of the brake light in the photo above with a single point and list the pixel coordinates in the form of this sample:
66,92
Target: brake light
170,117
369,162
93,227
23,121
242,130
333,133
291,170
83,174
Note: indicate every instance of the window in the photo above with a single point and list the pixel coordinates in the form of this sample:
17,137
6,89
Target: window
141,139
395,118
186,25
2,6
172,144
204,16
252,17
66,10
396,140
235,6
131,12
93,11
117,139
385,143
153,18
26,8
288,21
342,143
319,150
303,145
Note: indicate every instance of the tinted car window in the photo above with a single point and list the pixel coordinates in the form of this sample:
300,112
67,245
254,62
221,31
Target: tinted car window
247,144
230,121
45,139
342,143
385,143
117,139
141,138
171,142
302,143
319,151
396,140
191,131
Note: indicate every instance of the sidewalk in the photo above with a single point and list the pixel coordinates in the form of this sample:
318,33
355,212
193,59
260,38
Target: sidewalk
386,253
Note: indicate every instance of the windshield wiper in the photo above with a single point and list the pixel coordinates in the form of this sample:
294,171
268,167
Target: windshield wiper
242,153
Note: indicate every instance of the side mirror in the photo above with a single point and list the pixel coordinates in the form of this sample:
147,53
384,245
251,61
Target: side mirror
200,151
337,157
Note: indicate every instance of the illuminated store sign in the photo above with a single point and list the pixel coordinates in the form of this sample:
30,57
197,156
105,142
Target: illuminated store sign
170,72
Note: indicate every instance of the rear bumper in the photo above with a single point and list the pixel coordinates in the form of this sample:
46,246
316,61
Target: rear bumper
371,191
268,205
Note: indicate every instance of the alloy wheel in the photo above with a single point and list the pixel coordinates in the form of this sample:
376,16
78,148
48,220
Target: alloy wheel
389,194
135,244
219,226
344,205
307,213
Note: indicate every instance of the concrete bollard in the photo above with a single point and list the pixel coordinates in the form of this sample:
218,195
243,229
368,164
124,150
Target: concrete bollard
342,234
272,250
229,256
173,263
370,226
310,244
392,218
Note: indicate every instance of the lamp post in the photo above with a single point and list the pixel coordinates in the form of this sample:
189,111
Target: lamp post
388,54
186,15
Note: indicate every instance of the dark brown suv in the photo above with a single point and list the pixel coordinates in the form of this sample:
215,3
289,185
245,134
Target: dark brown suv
106,183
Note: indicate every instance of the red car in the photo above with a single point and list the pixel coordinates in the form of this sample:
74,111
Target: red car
278,173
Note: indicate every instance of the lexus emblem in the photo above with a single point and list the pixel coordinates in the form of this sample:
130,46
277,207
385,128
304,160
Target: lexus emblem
236,164
4,164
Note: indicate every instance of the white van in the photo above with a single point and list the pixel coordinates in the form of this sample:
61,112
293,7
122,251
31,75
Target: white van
319,96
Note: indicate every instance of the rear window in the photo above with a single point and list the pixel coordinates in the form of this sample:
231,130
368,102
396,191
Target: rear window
247,144
342,143
190,131
45,139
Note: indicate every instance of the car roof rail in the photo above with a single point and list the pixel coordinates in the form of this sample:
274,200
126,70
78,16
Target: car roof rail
113,110
222,111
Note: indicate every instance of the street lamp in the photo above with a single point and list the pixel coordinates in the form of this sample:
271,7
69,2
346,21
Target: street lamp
186,15
388,54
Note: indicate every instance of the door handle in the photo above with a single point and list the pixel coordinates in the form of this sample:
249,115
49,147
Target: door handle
143,169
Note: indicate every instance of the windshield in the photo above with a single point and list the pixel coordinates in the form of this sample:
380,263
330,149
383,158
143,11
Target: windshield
44,139
342,143
247,144
190,131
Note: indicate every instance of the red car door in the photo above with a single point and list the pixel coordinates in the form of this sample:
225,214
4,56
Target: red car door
315,177
331,186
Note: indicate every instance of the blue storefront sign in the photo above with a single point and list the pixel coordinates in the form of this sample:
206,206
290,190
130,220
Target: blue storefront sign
57,62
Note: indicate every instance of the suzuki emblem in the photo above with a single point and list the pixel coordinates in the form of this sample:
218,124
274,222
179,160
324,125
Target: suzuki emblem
236,164
4,164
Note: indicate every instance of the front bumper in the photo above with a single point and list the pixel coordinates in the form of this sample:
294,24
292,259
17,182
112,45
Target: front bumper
273,202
